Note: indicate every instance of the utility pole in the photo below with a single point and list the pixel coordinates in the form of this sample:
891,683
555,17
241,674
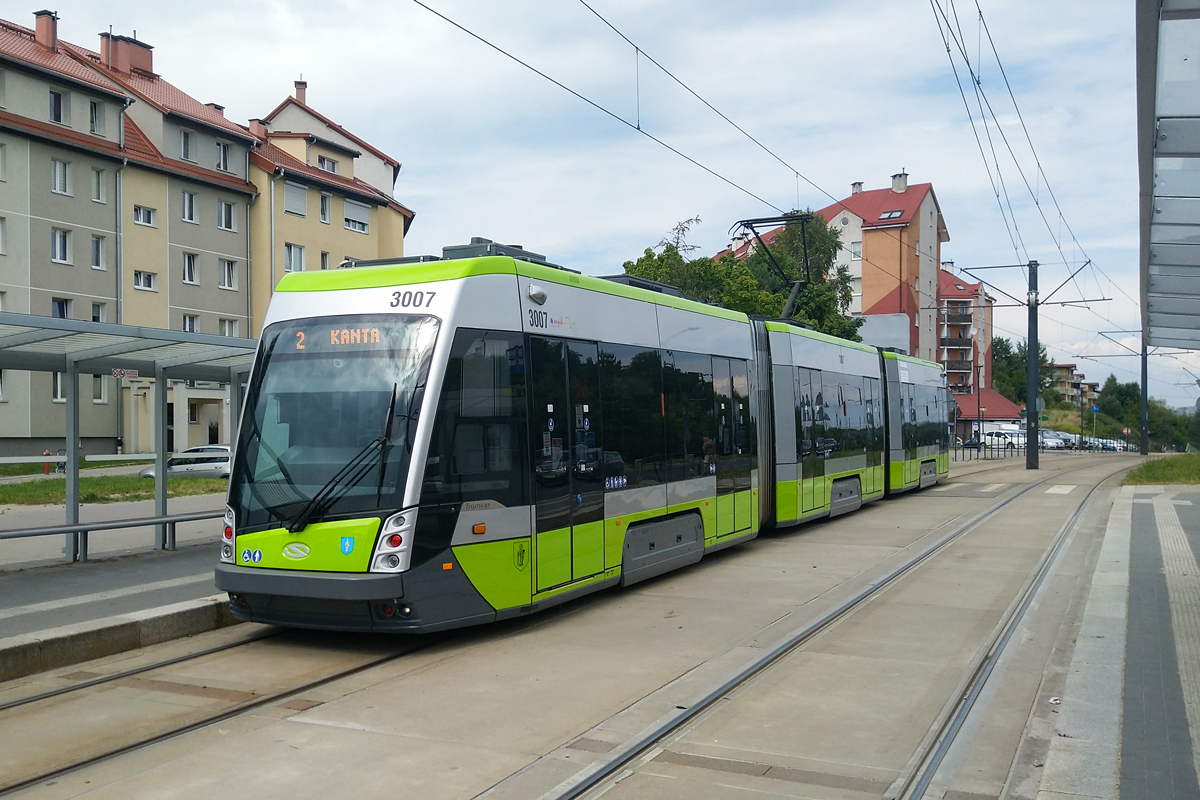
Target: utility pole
1032,352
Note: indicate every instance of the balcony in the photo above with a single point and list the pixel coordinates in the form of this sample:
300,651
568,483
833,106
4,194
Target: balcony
959,365
956,342
958,319
961,388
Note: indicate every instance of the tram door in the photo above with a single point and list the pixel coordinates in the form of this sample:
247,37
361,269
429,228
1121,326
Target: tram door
731,390
908,412
812,442
568,484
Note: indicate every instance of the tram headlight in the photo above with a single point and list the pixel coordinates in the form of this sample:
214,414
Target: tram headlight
228,536
393,547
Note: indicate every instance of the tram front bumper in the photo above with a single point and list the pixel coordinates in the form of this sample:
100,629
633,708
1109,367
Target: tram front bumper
427,598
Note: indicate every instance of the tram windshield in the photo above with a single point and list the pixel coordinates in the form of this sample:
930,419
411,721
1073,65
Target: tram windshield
325,391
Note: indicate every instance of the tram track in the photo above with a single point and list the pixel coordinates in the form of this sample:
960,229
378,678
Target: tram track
605,771
12,784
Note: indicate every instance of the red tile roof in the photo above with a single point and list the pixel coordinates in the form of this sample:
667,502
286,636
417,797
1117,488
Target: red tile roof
870,205
49,130
159,93
995,406
267,156
953,287
17,43
334,126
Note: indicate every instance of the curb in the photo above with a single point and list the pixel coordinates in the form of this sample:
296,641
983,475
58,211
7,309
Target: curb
71,644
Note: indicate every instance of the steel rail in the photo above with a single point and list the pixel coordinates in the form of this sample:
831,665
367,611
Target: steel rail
240,708
914,785
592,776
116,676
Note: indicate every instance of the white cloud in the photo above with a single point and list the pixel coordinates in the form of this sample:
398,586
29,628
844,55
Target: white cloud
847,91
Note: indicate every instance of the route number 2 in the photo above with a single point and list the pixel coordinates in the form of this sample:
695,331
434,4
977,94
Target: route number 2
412,299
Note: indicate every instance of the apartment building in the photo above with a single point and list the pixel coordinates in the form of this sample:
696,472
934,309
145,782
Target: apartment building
325,198
891,243
965,336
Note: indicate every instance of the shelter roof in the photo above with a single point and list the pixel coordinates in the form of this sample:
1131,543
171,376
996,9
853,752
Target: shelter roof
46,344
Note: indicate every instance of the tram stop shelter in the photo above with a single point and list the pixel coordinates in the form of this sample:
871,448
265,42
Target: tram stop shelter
75,347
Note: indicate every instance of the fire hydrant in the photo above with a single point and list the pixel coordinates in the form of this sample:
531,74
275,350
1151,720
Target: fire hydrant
47,464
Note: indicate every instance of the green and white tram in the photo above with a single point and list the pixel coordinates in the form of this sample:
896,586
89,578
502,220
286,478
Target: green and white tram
438,444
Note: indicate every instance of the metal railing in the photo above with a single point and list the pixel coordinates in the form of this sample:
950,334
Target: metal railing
77,534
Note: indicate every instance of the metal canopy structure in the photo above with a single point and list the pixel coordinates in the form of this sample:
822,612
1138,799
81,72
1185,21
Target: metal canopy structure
1168,119
74,347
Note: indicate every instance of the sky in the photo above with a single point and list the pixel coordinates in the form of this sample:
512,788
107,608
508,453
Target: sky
839,92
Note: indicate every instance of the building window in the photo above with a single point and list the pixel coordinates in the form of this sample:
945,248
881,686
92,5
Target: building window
189,323
97,312
144,280
358,216
327,164
60,308
185,145
96,117
97,252
326,207
3,225
227,327
60,176
58,396
58,111
295,199
194,413
324,260
189,268
223,156
225,216
293,258
143,215
3,162
97,185
228,273
856,251
99,390
189,207
60,246
894,214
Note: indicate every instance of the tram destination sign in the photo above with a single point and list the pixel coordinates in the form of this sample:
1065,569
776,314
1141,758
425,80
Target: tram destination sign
124,373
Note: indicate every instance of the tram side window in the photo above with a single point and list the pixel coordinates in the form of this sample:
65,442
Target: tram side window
631,400
477,451
690,431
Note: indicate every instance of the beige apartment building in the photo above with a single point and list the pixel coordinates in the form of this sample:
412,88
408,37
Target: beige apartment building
124,199
325,198
965,342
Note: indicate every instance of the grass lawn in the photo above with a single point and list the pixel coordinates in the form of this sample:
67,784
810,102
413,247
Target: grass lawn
1182,468
104,489
9,470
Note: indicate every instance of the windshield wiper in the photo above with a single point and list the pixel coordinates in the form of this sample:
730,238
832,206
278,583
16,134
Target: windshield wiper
349,475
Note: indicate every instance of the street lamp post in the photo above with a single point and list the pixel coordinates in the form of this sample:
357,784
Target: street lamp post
979,406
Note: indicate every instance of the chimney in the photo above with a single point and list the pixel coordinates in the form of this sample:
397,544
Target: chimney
217,108
125,53
856,187
258,128
900,182
301,91
46,29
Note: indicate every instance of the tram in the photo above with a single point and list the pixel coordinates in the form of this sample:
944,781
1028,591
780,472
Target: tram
453,442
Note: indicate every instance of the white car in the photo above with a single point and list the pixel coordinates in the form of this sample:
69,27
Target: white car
206,461
1003,440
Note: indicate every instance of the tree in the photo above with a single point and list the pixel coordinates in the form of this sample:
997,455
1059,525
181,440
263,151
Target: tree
1008,371
754,286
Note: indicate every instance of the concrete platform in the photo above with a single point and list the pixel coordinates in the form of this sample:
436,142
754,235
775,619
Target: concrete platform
1102,701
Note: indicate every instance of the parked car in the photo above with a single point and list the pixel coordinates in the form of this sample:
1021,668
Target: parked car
206,461
971,444
1003,440
1050,440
